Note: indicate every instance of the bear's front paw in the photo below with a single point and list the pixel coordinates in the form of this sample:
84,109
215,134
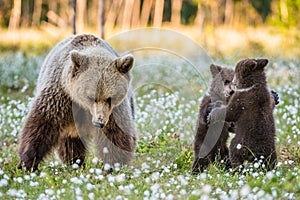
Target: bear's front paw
28,166
275,96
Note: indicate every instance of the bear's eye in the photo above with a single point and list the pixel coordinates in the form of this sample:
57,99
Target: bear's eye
226,82
108,100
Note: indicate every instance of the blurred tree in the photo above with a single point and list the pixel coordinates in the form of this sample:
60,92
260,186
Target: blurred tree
112,14
158,13
229,9
127,14
101,17
175,15
80,16
146,9
199,20
136,13
14,21
37,11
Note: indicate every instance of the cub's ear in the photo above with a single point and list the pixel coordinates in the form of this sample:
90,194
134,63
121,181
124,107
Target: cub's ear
261,63
78,60
124,63
215,69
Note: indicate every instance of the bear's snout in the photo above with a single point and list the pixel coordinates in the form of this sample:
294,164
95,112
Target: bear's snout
98,124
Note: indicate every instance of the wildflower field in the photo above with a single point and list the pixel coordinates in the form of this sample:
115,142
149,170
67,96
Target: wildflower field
168,91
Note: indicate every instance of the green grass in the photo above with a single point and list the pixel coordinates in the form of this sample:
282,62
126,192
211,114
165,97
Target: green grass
167,107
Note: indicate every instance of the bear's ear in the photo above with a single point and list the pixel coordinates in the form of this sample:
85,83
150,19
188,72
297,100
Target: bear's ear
261,63
124,64
78,61
215,69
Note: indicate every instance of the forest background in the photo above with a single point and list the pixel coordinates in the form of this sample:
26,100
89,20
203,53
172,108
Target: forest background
222,26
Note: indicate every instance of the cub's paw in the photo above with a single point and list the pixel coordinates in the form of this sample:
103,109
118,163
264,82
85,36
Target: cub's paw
216,104
275,96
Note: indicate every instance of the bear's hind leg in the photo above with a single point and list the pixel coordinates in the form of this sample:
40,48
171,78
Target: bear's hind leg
71,150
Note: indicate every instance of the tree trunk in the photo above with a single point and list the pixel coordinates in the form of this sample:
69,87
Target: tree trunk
81,6
14,21
176,8
127,14
74,17
215,13
199,20
37,13
112,14
64,11
158,13
101,18
229,9
52,6
146,9
135,18
284,11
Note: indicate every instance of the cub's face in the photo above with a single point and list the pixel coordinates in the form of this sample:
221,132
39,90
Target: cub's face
99,84
221,82
249,72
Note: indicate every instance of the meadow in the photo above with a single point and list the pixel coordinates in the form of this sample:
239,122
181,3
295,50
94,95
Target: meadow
168,90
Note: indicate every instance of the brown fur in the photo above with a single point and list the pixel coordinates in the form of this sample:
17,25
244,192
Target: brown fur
82,82
251,110
211,140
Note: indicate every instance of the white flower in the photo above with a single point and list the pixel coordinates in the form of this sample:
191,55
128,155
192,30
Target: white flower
239,146
27,177
146,193
256,165
95,161
49,192
182,192
3,182
120,178
155,187
170,197
111,178
119,197
206,189
75,166
90,186
42,174
91,196
107,167
105,150
269,175
245,190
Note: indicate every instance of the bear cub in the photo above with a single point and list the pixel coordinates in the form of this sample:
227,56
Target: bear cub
210,140
83,94
251,109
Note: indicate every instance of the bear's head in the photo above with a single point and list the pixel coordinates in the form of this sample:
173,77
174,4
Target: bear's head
221,83
250,72
99,82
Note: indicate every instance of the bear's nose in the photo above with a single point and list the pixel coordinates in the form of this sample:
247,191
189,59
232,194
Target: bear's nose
231,92
98,124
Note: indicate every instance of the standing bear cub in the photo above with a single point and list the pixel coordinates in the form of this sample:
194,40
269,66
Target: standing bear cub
251,109
210,140
83,90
